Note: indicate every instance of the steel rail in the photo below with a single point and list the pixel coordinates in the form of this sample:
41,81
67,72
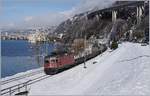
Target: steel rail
18,87
21,77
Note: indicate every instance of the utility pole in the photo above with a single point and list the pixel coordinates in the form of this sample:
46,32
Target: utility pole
85,51
83,29
47,43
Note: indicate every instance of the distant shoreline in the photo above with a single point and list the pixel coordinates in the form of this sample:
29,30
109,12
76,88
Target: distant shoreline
15,39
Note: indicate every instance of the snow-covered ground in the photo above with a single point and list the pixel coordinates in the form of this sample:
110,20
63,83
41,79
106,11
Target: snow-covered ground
22,73
124,71
21,78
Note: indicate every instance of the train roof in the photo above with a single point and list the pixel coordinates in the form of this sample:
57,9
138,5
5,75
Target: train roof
56,53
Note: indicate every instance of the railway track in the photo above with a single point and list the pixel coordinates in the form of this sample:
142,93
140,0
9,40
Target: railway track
16,88
20,77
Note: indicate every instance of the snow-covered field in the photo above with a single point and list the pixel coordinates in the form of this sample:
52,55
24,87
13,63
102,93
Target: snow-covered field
124,71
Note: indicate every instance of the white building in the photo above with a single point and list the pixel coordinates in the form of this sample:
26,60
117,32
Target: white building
37,36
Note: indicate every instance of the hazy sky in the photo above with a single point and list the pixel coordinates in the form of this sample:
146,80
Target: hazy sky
34,13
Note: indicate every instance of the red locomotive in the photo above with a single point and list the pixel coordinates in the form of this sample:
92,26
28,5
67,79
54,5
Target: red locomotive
61,60
58,61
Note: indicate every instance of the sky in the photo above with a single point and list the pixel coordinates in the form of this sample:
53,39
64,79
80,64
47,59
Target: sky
37,13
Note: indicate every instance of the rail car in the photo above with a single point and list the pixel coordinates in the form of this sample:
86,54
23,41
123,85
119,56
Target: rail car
60,61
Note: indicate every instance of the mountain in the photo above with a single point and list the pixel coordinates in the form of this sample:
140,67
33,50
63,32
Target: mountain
79,25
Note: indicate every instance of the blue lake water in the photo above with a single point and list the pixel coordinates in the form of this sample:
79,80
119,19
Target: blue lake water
20,56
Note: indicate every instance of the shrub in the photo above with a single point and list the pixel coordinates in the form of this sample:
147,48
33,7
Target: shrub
114,45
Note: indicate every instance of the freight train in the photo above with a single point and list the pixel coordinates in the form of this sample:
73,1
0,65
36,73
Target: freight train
62,60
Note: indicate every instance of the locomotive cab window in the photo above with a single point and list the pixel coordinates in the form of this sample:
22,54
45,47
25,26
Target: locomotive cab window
56,61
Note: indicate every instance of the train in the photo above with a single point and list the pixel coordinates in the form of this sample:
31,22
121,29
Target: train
59,61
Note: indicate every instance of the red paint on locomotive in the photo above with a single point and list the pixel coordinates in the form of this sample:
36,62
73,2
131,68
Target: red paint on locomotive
59,61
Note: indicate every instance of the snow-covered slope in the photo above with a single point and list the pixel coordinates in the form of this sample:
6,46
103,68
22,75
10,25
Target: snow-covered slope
124,71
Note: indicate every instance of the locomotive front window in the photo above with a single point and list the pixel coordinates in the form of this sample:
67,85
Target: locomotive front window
46,61
53,61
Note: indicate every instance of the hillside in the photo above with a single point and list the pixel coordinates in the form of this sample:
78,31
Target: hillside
79,25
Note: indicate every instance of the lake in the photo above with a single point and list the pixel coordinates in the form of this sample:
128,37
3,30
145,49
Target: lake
20,56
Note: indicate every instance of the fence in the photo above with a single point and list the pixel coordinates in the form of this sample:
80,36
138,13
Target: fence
18,88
